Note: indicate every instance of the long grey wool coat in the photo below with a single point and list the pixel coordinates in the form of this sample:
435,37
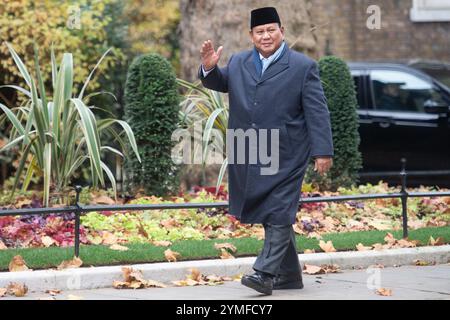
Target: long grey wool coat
288,97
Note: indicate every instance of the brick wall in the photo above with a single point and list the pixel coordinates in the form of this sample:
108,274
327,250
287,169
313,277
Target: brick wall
341,30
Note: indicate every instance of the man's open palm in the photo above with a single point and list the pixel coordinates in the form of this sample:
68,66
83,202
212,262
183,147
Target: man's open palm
209,56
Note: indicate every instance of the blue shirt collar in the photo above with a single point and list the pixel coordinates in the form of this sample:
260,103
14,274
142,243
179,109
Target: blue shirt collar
275,55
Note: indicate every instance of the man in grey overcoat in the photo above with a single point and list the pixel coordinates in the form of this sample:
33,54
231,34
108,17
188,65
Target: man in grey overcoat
278,90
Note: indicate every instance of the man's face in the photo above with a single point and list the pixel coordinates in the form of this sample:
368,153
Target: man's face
267,38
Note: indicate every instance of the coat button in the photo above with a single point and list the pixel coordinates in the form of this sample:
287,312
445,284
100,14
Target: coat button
255,103
254,125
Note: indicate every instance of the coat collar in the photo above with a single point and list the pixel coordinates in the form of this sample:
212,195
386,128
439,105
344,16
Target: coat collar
275,68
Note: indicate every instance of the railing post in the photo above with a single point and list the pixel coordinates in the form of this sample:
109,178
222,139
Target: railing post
404,198
77,221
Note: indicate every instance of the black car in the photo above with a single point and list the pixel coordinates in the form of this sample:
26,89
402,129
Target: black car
403,112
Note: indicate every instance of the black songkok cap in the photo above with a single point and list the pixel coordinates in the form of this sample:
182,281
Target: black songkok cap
264,16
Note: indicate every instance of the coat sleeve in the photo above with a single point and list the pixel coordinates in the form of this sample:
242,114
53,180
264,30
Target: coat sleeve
217,79
317,115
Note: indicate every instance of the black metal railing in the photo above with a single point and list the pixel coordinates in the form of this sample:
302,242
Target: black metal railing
79,209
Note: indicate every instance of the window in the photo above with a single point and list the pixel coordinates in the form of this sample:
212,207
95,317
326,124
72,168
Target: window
430,10
401,91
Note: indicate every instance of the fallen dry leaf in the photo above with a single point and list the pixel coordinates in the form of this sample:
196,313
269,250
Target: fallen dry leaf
325,268
109,238
136,275
238,277
308,251
2,246
331,268
3,292
47,241
53,292
361,247
96,240
103,200
155,284
438,242
327,246
192,282
136,285
18,264
162,243
226,255
69,264
416,224
225,245
214,278
389,239
74,297
311,269
378,246
423,263
24,202
134,279
121,284
298,229
384,292
195,274
118,247
17,289
141,229
180,283
380,224
259,233
404,243
314,235
171,256
169,223
195,278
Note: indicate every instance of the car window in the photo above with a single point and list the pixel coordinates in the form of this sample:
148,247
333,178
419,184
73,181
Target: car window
401,91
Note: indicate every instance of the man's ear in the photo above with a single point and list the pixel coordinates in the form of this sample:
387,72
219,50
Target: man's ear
250,34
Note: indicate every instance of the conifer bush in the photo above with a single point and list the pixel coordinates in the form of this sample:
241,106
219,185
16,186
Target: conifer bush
151,109
340,94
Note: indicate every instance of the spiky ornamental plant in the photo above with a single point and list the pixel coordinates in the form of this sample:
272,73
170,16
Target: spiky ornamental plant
151,108
340,93
60,133
208,106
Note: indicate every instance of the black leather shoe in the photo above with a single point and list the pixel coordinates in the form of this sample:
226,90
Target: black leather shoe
259,282
288,282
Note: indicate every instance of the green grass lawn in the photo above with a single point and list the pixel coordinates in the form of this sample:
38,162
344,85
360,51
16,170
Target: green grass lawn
98,255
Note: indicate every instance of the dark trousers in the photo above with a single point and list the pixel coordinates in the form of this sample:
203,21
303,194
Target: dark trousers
279,254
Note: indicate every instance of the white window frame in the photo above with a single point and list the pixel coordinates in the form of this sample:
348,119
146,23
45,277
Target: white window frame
430,11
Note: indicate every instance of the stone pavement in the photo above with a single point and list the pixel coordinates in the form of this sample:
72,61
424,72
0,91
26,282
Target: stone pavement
406,282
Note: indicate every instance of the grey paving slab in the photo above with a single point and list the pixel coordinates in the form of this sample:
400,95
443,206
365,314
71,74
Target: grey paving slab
406,282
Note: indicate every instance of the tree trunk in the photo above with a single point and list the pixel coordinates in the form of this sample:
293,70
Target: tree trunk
227,23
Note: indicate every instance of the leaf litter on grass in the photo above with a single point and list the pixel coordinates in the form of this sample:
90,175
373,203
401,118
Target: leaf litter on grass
313,219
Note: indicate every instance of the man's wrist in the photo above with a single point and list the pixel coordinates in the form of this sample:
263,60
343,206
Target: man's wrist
206,71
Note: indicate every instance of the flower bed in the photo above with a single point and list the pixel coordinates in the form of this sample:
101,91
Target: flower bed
313,219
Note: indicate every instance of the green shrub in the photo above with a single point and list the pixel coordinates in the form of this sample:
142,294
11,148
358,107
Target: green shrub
151,108
340,93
